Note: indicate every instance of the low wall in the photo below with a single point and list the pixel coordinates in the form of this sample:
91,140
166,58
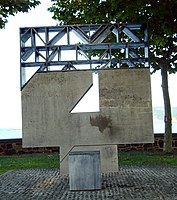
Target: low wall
156,146
14,146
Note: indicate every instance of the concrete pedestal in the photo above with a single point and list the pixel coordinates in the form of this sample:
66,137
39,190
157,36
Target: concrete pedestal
108,157
84,170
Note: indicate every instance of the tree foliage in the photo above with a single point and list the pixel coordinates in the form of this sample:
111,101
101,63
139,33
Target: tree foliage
161,17
11,7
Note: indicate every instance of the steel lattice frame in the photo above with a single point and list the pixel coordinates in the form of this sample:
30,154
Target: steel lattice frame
74,47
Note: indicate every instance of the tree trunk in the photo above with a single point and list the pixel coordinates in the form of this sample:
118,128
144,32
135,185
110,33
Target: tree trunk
167,109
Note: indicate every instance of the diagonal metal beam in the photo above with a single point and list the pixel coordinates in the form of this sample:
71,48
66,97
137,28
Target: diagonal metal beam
39,54
26,53
53,54
81,34
130,63
83,53
131,35
133,54
26,35
104,54
42,68
57,37
101,34
38,36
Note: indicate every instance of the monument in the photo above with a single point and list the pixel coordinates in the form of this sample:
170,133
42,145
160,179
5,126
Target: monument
57,65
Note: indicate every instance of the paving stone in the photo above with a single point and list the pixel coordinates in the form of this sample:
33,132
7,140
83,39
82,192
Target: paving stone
130,182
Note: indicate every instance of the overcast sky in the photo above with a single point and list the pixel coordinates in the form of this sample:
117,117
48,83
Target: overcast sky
10,99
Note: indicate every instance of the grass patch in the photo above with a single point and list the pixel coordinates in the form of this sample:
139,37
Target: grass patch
28,162
52,161
147,158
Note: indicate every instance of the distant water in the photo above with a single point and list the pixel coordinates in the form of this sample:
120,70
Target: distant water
8,133
159,127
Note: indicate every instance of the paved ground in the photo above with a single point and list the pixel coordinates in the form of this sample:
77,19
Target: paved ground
152,183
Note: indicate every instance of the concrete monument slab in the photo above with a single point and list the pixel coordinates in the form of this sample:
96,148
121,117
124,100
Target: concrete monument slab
125,114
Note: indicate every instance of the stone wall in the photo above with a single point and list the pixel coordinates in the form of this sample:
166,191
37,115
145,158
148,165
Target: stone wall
14,146
156,146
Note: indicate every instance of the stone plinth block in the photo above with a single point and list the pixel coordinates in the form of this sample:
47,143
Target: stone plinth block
84,170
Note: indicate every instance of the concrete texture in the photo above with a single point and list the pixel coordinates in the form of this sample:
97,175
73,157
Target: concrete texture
125,115
84,170
129,183
108,156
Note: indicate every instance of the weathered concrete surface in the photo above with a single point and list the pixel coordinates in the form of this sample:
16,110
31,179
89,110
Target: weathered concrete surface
84,170
125,109
108,156
46,102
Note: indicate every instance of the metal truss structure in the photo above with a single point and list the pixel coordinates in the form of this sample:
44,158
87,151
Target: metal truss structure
75,47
